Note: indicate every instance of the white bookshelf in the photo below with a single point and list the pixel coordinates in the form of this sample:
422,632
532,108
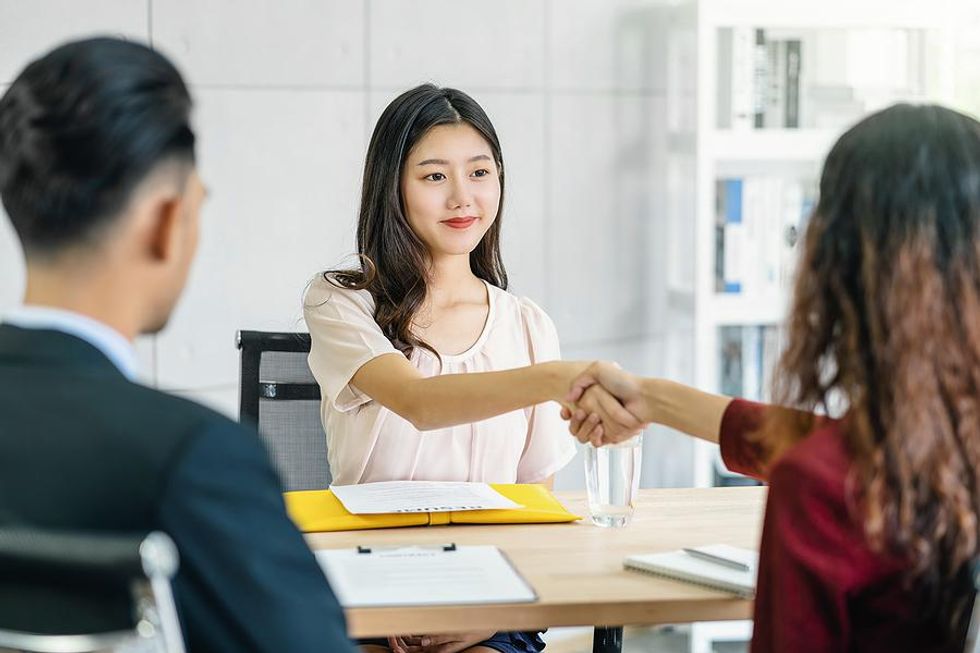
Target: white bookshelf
729,310
795,153
769,145
723,152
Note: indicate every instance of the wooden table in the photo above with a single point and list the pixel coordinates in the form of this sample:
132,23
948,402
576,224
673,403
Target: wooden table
577,569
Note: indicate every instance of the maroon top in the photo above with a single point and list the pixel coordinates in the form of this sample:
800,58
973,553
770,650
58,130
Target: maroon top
821,588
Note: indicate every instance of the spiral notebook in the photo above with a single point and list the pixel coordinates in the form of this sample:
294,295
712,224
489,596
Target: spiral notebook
718,566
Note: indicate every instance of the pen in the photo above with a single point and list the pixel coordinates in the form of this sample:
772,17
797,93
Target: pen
718,560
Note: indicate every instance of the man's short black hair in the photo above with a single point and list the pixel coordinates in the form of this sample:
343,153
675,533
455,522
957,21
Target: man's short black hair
79,129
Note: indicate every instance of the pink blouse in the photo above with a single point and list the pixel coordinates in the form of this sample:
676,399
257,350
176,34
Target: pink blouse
366,442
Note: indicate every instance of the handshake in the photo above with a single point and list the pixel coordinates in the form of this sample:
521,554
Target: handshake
607,405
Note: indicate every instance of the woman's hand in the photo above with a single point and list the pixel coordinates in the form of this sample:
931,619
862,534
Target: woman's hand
451,643
599,392
561,375
598,418
594,411
587,425
403,643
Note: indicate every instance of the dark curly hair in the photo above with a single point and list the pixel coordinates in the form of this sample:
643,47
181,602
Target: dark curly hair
886,319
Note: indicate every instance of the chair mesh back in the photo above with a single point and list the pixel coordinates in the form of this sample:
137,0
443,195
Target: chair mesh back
285,367
292,429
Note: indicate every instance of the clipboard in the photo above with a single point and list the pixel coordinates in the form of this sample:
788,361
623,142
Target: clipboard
411,575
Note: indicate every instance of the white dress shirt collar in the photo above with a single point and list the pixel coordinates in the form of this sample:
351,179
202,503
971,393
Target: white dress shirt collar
110,342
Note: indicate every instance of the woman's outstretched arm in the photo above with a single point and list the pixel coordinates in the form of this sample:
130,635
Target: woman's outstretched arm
450,399
671,404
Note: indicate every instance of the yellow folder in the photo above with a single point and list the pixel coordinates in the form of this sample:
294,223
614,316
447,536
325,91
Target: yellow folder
319,511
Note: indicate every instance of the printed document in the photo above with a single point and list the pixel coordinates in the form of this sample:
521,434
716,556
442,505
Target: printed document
419,496
420,575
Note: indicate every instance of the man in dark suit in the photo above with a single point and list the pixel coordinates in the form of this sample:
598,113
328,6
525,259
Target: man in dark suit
97,175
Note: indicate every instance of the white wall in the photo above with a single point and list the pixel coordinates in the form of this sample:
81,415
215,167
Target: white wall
287,92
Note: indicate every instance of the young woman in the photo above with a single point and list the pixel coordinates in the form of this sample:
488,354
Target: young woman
872,520
429,368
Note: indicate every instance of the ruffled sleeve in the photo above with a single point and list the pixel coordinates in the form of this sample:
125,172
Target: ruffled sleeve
344,337
548,446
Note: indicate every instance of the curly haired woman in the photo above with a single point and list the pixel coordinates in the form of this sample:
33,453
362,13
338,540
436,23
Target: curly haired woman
871,523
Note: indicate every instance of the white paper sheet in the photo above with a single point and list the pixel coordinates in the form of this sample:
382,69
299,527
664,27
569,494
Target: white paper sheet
419,496
423,576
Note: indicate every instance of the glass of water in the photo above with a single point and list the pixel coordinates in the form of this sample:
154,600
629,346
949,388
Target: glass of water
612,476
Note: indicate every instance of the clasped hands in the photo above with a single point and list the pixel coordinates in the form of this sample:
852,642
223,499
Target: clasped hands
451,643
605,405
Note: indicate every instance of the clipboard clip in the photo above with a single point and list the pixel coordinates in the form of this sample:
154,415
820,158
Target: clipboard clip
425,547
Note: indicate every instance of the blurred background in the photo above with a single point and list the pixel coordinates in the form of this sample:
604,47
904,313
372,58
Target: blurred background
662,158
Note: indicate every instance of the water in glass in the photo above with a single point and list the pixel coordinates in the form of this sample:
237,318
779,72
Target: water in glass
612,476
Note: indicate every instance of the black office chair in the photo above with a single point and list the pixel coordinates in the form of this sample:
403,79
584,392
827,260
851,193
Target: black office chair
65,592
282,399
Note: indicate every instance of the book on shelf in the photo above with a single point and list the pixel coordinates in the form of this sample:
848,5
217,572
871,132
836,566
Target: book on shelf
737,50
790,78
759,80
757,222
791,84
729,236
748,354
775,97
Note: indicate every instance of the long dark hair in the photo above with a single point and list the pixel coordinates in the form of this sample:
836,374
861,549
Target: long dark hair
886,315
393,259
